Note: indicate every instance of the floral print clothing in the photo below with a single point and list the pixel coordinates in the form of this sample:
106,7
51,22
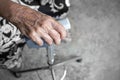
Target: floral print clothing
11,40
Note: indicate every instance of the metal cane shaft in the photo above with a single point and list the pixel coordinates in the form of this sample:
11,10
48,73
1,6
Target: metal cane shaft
50,53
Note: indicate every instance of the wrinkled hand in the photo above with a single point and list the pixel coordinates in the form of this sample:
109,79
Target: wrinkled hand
38,26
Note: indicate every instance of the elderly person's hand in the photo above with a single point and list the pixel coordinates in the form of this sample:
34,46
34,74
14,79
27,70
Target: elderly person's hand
38,26
33,24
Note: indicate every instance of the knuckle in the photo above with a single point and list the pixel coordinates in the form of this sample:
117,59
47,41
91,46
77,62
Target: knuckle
57,35
44,23
61,28
63,33
50,40
37,29
49,19
32,33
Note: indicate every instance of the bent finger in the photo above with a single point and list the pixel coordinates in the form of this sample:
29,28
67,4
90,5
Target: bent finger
55,35
44,35
58,27
36,38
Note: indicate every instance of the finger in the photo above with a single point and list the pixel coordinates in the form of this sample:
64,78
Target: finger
55,35
44,35
36,38
58,27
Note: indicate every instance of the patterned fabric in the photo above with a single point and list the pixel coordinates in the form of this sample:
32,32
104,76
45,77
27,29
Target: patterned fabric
11,44
11,41
54,8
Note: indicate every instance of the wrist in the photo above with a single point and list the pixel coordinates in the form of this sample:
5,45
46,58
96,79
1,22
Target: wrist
14,9
9,9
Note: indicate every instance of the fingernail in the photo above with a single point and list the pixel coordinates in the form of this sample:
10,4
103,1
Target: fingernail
39,41
59,41
41,44
64,35
50,43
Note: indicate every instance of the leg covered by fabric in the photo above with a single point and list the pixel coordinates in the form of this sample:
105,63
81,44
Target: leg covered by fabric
11,45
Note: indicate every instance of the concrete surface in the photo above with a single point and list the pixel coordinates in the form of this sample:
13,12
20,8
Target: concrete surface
96,38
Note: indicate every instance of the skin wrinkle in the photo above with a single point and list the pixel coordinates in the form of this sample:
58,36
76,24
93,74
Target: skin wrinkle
58,27
22,21
53,33
18,12
56,36
47,27
28,21
60,32
43,34
35,37
40,29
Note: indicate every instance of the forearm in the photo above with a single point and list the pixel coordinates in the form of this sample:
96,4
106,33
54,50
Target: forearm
7,8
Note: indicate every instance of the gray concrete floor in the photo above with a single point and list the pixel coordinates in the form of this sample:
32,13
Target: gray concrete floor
96,38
